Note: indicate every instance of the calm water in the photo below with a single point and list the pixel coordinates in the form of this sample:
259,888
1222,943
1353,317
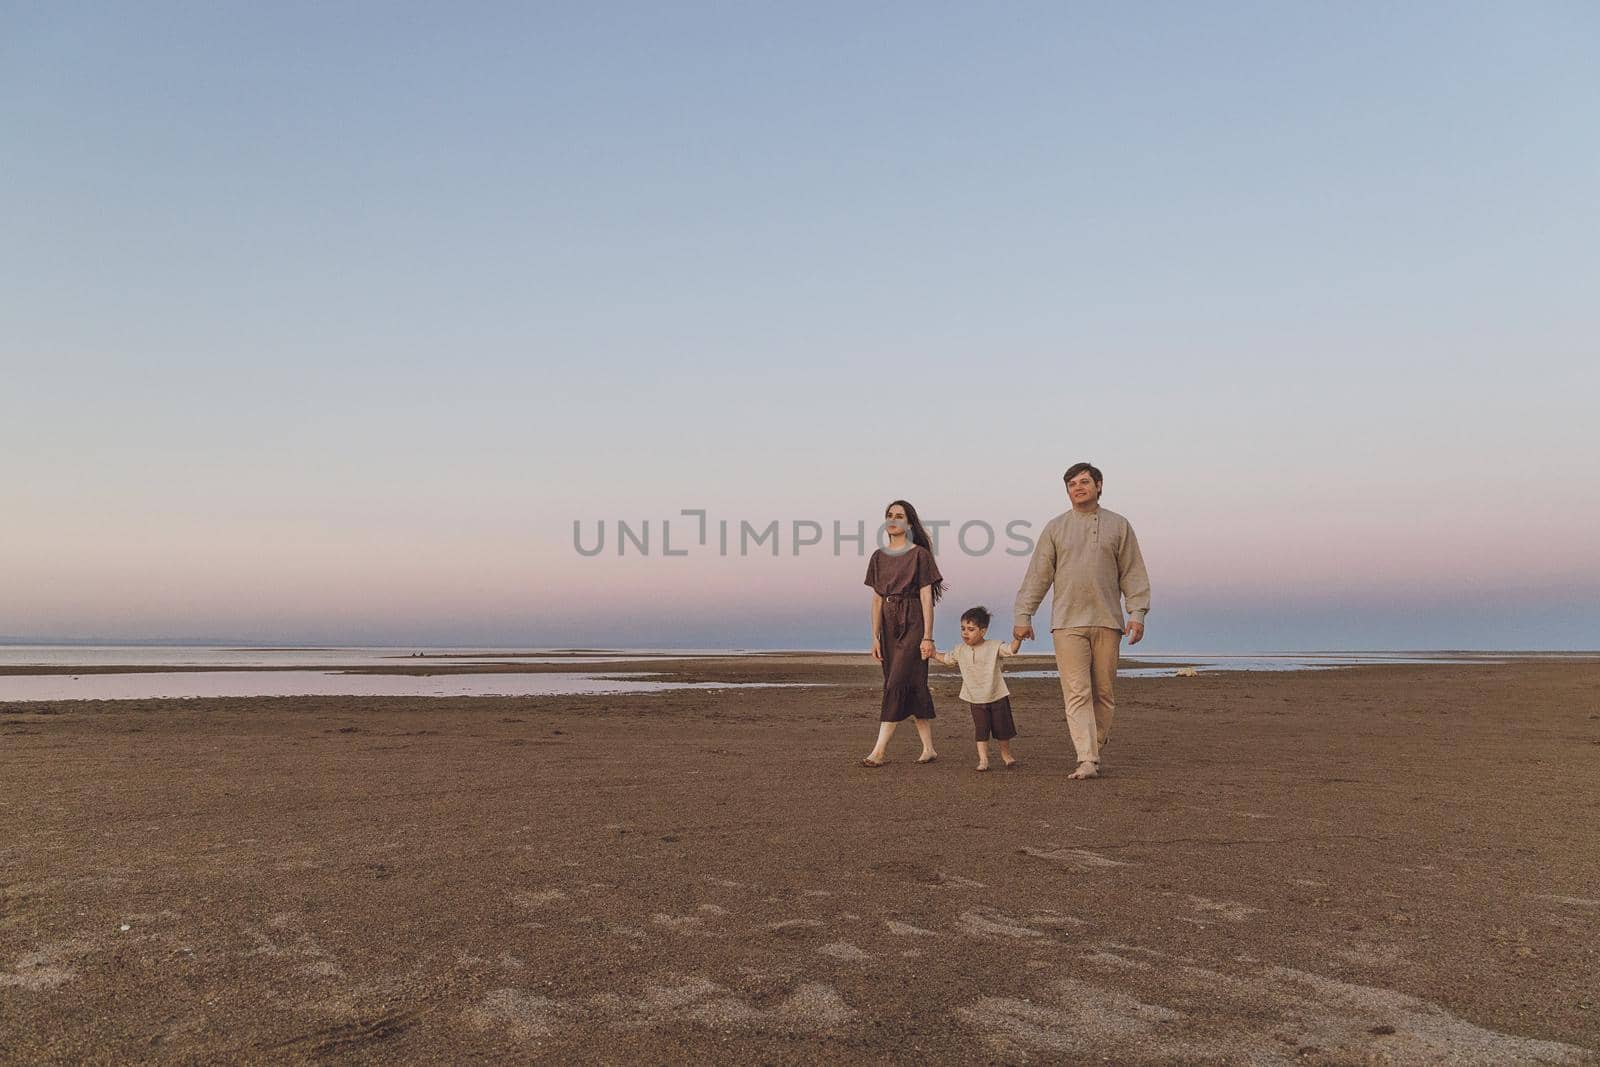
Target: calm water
1287,661
354,656
236,672
317,683
232,674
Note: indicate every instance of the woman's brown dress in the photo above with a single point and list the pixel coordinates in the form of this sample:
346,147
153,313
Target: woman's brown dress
899,580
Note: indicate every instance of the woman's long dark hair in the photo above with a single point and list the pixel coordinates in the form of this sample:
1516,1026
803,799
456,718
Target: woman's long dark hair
919,536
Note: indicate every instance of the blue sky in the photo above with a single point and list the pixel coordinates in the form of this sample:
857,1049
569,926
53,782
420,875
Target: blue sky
325,322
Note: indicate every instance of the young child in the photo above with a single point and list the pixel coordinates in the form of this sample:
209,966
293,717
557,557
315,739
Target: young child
981,684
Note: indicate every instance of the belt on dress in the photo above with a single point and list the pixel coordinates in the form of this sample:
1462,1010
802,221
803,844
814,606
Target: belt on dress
898,619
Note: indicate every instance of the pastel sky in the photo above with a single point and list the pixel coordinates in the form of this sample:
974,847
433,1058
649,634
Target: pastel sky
325,323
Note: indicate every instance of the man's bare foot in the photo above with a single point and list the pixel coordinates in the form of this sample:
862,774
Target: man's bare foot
1085,770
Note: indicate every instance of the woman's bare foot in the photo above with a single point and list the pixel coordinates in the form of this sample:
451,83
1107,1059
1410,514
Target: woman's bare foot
928,757
1086,770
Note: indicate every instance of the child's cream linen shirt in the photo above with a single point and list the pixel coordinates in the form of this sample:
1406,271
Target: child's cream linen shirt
981,682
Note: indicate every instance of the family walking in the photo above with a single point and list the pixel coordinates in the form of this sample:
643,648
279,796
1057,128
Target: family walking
1091,558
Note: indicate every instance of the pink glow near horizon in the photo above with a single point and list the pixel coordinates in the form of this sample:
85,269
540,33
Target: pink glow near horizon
176,587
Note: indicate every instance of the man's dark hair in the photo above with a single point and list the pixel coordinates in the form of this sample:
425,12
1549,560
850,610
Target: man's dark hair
978,616
1078,468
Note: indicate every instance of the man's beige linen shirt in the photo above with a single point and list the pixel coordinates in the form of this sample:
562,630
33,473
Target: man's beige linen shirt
1093,560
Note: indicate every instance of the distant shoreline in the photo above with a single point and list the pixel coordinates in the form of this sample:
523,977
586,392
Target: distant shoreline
480,649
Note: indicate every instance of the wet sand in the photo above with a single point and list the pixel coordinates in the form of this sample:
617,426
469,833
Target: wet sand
1380,864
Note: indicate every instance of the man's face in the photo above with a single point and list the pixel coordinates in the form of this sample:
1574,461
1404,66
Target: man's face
1082,489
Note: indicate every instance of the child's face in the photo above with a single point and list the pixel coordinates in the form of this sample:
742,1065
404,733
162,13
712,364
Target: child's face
972,633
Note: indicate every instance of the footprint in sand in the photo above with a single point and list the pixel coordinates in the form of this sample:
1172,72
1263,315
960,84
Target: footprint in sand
988,923
629,933
956,881
1073,1018
844,950
1223,909
323,969
810,1008
538,898
288,939
1262,1015
46,967
1103,958
1072,859
794,927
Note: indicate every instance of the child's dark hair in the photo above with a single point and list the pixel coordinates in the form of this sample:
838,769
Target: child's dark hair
978,616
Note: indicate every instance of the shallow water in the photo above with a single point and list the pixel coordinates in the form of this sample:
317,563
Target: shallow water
1288,661
231,673
329,657
154,685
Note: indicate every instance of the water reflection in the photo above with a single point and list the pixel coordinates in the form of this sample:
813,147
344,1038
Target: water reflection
327,658
318,683
1309,661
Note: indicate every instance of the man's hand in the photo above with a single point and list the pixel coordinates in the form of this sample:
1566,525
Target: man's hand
1135,631
1022,633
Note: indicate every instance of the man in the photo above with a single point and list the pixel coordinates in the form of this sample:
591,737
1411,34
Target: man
1092,558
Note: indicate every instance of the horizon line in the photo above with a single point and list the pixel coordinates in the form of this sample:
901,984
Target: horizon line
15,641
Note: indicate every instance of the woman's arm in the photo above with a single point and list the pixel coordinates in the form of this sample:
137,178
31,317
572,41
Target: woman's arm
926,593
877,626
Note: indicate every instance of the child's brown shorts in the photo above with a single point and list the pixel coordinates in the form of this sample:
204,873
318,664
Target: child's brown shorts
993,718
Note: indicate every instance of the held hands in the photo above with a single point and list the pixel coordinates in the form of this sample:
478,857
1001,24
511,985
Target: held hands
929,650
1134,630
1021,633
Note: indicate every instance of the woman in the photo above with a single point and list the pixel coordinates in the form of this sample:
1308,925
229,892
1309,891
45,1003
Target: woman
906,584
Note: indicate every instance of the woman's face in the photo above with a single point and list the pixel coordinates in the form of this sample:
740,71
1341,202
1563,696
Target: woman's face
896,521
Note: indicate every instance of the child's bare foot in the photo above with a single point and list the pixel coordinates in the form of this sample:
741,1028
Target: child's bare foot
1085,770
877,759
1013,764
982,766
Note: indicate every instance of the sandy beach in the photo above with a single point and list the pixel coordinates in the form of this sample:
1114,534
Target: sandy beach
1391,864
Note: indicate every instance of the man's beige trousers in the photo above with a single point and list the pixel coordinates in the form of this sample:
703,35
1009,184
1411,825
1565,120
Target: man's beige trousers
1086,658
